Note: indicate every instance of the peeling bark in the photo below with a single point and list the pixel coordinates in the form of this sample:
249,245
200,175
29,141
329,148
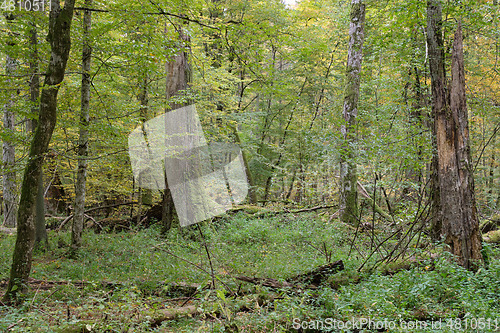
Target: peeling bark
460,220
455,217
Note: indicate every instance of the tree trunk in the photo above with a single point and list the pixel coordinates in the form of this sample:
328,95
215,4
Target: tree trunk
83,140
178,77
41,238
252,195
491,181
348,172
416,121
438,87
145,194
460,223
9,152
457,213
35,79
60,42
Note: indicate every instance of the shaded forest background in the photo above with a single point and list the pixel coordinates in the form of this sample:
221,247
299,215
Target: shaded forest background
275,74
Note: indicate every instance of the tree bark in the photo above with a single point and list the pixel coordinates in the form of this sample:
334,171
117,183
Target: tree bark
348,172
60,42
438,88
83,140
456,212
460,219
41,238
145,194
34,79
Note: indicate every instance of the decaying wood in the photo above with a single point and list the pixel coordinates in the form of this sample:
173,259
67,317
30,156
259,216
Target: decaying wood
269,213
454,211
267,282
182,288
170,314
255,211
319,274
311,279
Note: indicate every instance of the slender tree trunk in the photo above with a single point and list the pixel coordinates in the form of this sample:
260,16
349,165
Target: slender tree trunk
144,193
83,140
458,220
494,205
278,161
41,237
252,195
34,80
416,120
348,172
60,42
491,180
9,152
178,78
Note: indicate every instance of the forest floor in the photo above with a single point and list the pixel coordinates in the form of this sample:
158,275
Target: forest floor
138,281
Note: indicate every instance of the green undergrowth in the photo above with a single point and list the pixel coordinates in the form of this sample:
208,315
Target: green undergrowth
127,281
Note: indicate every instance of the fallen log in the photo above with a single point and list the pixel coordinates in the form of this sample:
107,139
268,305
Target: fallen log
177,288
309,280
269,213
267,282
171,314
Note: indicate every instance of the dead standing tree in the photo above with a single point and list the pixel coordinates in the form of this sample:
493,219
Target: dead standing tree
178,77
455,217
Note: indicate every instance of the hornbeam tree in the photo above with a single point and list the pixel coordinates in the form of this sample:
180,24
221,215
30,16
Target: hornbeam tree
60,42
83,140
348,173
